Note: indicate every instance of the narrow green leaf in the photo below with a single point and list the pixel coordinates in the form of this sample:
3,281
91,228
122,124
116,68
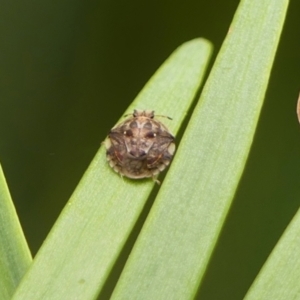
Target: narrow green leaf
15,257
172,252
279,277
85,242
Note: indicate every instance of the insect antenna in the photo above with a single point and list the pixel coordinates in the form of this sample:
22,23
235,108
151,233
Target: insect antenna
164,117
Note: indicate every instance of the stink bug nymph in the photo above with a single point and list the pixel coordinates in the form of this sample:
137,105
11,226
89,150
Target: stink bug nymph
139,147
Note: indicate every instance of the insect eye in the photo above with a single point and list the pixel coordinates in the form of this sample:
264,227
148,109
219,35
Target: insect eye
128,132
150,135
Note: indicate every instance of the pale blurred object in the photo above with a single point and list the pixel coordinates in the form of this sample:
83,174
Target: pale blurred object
298,108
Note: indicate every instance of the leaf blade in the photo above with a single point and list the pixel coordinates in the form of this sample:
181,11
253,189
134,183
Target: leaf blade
172,252
15,257
103,208
279,277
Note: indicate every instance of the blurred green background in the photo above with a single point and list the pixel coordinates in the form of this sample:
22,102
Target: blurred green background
69,69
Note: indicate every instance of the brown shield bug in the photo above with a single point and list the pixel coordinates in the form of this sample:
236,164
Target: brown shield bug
140,147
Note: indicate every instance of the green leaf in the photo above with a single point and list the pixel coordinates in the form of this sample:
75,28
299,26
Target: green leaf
15,257
279,277
84,244
173,250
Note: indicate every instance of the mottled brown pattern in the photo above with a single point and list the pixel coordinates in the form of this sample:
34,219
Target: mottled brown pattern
140,147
